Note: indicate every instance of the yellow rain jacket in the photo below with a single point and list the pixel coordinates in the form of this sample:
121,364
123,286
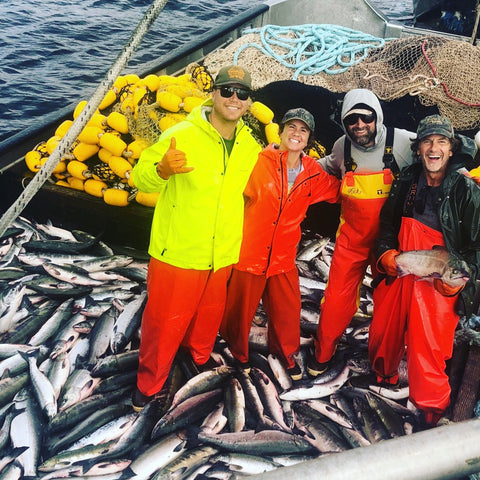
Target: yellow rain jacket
198,219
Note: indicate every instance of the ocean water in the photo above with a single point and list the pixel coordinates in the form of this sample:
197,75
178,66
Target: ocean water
55,52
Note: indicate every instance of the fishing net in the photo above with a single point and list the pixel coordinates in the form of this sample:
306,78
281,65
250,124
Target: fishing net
441,72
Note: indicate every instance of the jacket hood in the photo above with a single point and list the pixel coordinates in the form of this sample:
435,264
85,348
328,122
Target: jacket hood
364,97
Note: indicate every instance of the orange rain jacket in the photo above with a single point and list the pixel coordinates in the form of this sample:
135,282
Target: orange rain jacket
271,230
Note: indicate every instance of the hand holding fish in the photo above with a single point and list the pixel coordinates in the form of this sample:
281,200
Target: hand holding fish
387,262
445,289
174,161
436,263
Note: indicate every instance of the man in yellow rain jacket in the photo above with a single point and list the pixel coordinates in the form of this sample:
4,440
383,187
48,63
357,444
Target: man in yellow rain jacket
200,167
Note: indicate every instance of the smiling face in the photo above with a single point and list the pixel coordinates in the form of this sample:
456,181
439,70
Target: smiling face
294,136
435,152
228,109
361,132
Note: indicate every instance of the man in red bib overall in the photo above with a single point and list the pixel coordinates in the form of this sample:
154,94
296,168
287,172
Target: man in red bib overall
431,204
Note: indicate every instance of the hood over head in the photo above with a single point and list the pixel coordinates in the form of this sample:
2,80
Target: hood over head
362,99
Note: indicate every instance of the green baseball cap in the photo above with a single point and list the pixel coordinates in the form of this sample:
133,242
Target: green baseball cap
300,114
233,74
435,125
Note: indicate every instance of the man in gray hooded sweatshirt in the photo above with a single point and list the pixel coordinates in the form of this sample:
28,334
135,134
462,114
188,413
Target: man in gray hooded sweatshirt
366,159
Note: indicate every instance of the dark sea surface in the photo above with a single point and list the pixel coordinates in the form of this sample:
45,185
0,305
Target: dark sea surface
55,52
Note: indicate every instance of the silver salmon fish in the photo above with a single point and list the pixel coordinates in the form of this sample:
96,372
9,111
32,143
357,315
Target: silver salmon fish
435,263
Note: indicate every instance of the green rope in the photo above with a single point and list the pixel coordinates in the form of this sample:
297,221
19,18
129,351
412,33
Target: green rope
313,48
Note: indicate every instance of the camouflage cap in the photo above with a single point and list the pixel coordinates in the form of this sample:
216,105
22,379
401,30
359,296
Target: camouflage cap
435,125
233,74
300,114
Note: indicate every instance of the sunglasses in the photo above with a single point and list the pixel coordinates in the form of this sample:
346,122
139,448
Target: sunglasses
227,92
353,119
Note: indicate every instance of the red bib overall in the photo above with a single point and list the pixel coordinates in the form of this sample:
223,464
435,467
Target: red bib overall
411,313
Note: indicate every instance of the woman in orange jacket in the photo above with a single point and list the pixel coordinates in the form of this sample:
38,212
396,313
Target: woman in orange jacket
283,184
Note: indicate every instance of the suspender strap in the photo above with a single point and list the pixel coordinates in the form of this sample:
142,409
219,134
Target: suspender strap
411,199
388,158
347,155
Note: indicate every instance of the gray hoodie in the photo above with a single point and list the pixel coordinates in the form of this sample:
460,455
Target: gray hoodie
368,159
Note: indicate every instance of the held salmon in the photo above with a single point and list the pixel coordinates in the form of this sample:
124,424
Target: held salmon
434,263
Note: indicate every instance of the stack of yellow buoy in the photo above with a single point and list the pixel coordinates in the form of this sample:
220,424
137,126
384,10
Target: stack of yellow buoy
132,115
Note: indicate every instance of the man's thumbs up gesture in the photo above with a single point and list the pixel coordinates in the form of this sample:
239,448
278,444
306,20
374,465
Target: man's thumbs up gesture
174,161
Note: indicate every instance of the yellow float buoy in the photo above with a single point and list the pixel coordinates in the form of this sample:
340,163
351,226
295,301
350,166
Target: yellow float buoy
90,135
104,155
78,169
119,83
63,128
95,187
147,199
51,143
60,168
116,197
120,166
135,149
112,143
138,95
32,160
189,103
169,101
152,82
185,78
75,183
118,122
62,183
78,109
109,99
475,172
271,132
261,112
180,90
131,78
84,151
97,120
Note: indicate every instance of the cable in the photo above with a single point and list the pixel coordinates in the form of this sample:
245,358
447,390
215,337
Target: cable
67,141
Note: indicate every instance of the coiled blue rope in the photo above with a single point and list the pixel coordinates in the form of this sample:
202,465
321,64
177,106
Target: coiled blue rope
313,48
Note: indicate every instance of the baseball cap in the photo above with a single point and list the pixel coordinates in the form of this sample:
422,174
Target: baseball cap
233,74
300,114
359,111
435,125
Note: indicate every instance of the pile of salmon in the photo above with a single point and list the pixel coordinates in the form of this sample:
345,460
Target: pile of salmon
70,324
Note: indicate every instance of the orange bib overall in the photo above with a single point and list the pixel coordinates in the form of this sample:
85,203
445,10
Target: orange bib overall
363,196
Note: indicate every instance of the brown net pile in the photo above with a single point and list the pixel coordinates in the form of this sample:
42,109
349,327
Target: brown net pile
441,72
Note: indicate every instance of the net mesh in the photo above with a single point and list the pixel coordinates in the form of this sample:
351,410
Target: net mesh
440,71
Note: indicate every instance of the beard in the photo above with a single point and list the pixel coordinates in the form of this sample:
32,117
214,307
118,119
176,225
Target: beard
364,139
